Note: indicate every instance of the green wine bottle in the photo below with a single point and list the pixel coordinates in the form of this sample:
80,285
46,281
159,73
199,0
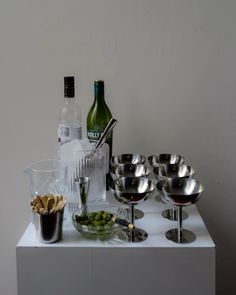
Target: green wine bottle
98,117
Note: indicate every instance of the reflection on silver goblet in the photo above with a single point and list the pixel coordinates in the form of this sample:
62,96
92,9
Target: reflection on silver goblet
173,171
127,159
180,192
129,170
131,159
168,171
158,159
132,191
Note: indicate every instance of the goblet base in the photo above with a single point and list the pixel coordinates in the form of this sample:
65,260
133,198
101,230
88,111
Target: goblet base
186,237
136,235
138,214
168,214
158,199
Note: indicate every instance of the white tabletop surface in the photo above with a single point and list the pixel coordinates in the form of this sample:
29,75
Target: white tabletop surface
153,223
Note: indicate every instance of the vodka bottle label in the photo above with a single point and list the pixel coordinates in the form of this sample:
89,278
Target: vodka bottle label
68,132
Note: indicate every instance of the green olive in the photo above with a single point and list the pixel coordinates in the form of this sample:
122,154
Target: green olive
98,217
106,216
99,220
110,223
102,222
93,214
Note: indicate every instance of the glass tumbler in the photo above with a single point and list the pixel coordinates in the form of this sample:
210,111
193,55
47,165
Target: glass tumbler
46,177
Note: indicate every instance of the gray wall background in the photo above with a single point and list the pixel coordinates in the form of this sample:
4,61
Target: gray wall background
170,70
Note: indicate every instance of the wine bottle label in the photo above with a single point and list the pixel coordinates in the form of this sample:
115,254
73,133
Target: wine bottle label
67,132
93,135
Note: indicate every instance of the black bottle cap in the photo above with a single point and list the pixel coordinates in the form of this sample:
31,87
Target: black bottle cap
69,86
99,87
99,82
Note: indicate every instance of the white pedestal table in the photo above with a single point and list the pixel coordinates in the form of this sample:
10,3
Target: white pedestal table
76,265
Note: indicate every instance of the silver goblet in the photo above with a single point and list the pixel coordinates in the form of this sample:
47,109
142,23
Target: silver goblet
180,192
125,159
132,191
168,171
161,159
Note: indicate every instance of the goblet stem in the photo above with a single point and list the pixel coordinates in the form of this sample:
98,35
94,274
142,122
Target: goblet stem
173,213
131,218
132,214
180,223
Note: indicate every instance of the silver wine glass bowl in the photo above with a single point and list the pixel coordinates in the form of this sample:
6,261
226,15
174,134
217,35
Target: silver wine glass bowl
180,192
129,170
132,191
173,171
158,159
127,159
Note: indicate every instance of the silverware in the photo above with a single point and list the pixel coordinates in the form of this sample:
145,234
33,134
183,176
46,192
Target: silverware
111,124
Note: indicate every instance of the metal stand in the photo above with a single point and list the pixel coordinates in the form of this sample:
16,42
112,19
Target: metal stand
180,235
137,234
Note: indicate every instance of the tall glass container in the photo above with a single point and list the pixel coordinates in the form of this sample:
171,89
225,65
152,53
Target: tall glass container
85,163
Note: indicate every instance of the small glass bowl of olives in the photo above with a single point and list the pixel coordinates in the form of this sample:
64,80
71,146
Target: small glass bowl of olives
96,222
